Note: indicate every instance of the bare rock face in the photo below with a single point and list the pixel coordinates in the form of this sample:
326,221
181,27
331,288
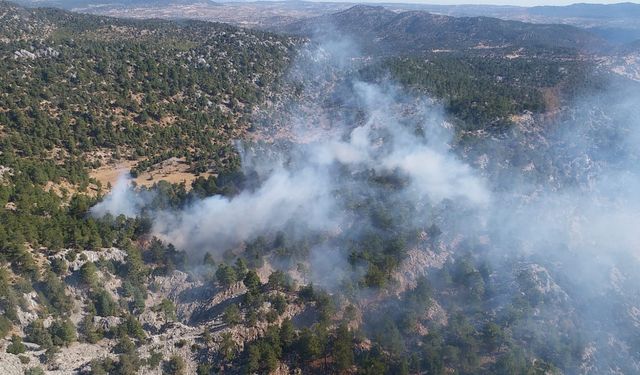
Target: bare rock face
112,253
418,263
72,358
437,314
47,52
106,323
207,303
171,286
9,363
30,313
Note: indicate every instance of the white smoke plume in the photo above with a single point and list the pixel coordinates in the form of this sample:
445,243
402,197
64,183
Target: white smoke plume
122,200
217,222
571,203
304,191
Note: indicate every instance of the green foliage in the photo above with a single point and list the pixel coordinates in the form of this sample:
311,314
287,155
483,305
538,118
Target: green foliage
228,347
165,257
342,350
132,328
16,346
226,275
128,363
251,280
104,303
53,290
8,302
175,366
125,345
34,371
309,345
63,332
144,95
493,335
263,355
279,303
240,268
144,79
145,98
167,308
36,333
88,330
154,359
59,266
278,280
5,326
287,334
88,274
51,353
484,90
204,369
232,315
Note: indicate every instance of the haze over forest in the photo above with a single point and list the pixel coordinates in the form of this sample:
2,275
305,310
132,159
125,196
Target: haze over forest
197,187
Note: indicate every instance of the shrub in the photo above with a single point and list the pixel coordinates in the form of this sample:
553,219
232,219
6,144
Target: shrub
175,366
16,346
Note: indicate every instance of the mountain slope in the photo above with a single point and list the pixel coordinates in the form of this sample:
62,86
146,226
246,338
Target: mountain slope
596,11
383,31
138,86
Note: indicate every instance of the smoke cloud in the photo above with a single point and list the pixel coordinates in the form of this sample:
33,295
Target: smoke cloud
303,189
122,200
563,201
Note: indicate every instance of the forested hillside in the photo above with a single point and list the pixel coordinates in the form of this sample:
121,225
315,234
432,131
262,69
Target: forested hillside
78,92
485,92
401,200
381,31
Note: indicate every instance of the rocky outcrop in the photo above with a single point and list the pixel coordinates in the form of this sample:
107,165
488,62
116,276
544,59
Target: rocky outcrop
43,52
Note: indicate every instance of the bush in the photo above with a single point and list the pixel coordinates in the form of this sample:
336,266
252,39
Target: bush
251,280
154,359
5,326
37,334
279,304
232,315
34,371
167,308
59,266
104,303
91,334
226,275
16,346
54,291
276,280
63,332
89,275
203,369
132,327
175,366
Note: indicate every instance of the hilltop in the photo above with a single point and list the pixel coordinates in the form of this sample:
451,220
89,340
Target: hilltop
383,31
